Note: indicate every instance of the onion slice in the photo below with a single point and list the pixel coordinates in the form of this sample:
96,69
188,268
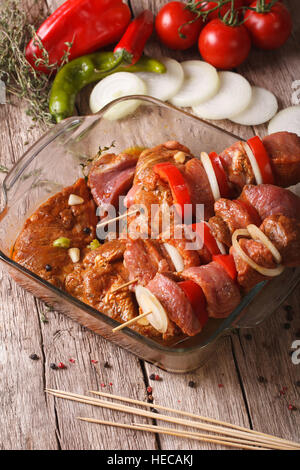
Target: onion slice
269,272
115,86
253,163
158,317
175,256
211,175
256,233
287,120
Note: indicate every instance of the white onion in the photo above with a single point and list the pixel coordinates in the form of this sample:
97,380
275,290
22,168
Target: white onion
201,82
165,85
269,272
211,175
256,233
287,120
253,163
149,303
75,200
175,256
263,106
74,254
115,86
233,97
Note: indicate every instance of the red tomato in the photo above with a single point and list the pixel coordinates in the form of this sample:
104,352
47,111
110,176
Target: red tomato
169,19
271,29
215,14
224,46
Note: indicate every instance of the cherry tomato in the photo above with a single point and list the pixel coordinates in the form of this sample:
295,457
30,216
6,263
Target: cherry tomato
271,29
170,17
215,14
224,46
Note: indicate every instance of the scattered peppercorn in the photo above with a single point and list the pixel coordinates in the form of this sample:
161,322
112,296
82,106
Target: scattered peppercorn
72,361
87,230
34,357
43,318
110,383
149,389
262,379
103,385
150,398
220,385
288,309
106,365
48,267
298,383
61,365
248,337
292,407
286,326
53,366
93,361
152,377
157,377
191,384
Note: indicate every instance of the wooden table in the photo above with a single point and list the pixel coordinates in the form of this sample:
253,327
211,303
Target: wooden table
228,387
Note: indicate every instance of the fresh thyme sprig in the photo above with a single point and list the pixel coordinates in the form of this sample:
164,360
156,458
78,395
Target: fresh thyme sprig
20,78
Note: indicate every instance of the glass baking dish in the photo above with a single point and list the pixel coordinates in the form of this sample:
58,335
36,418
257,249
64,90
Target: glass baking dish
55,162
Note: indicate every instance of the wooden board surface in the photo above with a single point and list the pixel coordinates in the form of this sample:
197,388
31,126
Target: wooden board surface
227,387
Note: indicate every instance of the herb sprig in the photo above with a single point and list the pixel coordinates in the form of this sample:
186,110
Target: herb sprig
20,78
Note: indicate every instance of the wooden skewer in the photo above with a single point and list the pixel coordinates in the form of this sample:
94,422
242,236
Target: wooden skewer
129,283
191,415
266,439
130,322
115,219
171,432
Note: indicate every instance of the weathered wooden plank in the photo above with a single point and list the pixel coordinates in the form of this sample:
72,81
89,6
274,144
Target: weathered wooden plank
266,354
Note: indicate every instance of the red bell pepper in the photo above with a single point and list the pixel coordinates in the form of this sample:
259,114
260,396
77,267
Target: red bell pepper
227,262
86,24
220,175
203,231
262,158
197,299
180,192
256,220
132,43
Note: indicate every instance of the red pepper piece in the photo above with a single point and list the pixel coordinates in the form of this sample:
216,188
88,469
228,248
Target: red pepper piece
262,158
132,43
197,299
180,192
203,231
227,262
220,175
87,24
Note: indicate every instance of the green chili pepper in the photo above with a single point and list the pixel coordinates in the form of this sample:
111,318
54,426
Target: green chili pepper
94,244
62,242
88,69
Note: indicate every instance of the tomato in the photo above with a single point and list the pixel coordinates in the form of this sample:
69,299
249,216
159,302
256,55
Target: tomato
271,29
215,14
224,46
169,19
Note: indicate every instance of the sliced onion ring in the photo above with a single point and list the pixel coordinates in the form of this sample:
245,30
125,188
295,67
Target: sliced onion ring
175,256
211,175
149,303
256,233
269,272
253,163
